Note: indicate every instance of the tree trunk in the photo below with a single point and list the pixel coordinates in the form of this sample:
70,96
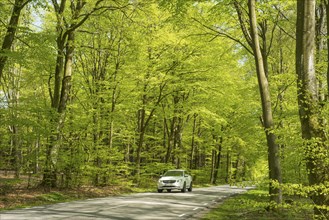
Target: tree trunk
218,158
170,139
11,31
213,161
309,109
193,141
62,85
327,15
141,132
164,140
273,148
320,42
228,166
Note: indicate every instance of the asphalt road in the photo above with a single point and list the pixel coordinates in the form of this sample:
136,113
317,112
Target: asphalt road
143,206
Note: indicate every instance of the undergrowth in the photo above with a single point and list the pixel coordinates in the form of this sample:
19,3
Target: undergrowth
254,205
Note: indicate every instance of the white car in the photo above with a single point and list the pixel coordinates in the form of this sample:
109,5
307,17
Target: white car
175,179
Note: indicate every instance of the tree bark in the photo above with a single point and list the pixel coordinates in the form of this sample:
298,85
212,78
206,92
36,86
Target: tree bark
309,105
268,124
327,16
320,42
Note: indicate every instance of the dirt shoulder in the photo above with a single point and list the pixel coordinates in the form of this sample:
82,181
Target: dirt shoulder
17,193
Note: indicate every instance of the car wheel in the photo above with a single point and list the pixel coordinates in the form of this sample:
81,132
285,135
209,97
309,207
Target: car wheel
190,189
184,188
160,190
168,190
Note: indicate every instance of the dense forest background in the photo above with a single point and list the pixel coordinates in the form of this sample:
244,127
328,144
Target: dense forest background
102,92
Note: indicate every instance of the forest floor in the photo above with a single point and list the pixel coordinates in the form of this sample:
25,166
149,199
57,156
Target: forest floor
16,193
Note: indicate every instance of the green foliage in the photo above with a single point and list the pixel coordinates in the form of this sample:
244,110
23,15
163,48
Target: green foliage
254,205
53,197
169,60
7,185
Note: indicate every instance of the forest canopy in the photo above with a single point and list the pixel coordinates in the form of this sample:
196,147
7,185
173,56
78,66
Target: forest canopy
96,92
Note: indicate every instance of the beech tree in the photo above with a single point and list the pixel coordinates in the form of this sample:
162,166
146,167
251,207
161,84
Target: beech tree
312,123
66,27
268,123
116,92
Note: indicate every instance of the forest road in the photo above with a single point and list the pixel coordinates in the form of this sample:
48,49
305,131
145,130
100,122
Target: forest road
143,206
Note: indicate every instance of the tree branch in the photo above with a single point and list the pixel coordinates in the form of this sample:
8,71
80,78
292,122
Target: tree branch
242,23
223,34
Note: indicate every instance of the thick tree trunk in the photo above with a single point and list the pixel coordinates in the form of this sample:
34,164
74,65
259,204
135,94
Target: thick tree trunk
320,42
62,86
59,106
273,148
309,109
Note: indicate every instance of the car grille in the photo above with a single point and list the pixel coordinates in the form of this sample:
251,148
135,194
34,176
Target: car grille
169,181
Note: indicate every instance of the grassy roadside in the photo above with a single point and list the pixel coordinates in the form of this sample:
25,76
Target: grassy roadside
253,206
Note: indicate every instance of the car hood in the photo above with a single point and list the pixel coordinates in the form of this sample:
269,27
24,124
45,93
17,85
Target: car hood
170,177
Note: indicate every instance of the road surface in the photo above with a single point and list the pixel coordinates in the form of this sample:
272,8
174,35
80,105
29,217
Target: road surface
140,206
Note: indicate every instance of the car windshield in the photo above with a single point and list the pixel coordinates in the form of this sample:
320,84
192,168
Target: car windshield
173,173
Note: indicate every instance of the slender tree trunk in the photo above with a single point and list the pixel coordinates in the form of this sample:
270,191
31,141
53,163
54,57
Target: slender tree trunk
170,155
172,140
193,141
213,161
273,148
218,158
178,141
228,166
16,150
13,94
198,159
164,139
309,109
10,33
140,143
